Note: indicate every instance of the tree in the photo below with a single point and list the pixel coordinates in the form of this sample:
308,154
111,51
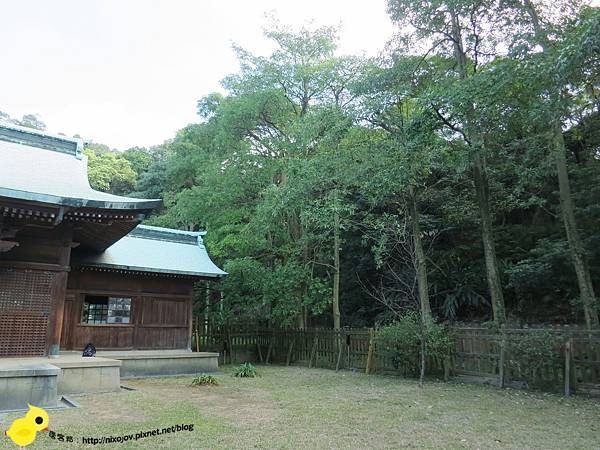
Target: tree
408,149
463,31
312,172
28,120
559,104
109,171
32,121
279,108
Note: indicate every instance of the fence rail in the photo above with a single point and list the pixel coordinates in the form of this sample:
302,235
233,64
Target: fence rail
571,365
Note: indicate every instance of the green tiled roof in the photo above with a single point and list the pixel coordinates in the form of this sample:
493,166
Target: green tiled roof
155,250
41,167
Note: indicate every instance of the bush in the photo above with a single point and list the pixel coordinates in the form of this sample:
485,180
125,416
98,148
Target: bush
400,341
245,370
530,353
205,380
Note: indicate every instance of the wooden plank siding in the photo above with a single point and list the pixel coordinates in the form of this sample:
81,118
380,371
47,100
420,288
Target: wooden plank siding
160,312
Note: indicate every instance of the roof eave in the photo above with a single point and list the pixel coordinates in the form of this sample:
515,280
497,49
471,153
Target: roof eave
79,202
154,271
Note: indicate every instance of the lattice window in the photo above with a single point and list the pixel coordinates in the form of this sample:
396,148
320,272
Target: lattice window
25,304
102,309
22,335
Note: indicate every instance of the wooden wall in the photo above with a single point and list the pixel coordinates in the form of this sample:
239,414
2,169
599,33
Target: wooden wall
160,312
33,278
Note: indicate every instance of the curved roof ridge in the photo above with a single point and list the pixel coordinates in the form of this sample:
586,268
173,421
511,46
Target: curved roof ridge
171,230
167,234
40,167
157,250
41,139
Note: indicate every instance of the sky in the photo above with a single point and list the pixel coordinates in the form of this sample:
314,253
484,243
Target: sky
129,72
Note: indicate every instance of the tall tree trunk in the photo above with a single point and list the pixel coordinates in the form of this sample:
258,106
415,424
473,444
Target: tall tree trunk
487,235
423,354
584,279
481,189
421,262
295,232
336,271
221,306
557,146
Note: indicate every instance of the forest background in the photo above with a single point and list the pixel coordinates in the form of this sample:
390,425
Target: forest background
457,174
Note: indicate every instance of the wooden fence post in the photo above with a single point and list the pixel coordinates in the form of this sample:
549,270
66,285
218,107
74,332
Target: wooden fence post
568,356
289,353
314,350
501,363
446,364
225,349
230,346
370,352
260,357
269,350
348,351
339,356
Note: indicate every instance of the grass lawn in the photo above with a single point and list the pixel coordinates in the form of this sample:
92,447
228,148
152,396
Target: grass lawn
299,408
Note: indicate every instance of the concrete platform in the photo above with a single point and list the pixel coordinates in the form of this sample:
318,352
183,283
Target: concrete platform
43,381
81,375
144,363
28,380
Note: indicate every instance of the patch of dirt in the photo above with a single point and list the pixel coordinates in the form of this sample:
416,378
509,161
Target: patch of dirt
98,408
246,409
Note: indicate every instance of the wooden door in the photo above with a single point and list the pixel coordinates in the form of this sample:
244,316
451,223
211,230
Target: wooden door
69,321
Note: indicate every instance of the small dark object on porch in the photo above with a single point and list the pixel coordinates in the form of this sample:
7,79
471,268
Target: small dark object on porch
89,350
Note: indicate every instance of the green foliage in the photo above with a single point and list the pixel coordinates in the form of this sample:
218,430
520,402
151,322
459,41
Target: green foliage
305,145
530,352
245,370
400,341
109,171
205,380
139,158
28,120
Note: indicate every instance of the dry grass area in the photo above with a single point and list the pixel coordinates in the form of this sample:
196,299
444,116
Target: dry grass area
312,408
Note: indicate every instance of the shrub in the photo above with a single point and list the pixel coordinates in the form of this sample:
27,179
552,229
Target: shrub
400,341
245,370
530,353
205,380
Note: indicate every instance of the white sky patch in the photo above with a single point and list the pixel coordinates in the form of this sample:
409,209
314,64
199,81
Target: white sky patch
129,72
